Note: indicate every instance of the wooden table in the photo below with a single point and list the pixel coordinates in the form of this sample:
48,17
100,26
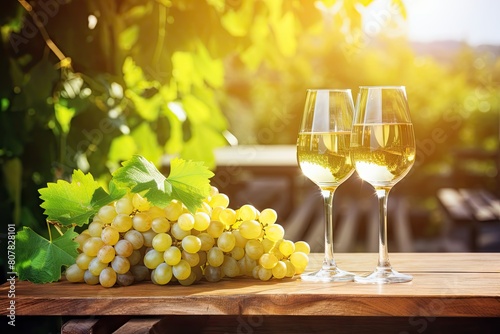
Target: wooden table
459,291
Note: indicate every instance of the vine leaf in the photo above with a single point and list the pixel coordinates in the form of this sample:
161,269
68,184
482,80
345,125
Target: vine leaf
187,182
73,203
40,260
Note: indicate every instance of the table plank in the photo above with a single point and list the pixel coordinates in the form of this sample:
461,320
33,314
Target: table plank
447,285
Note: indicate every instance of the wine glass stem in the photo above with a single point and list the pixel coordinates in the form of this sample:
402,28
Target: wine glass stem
328,261
383,254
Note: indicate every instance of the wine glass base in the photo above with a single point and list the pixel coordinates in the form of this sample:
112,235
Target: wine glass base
383,276
328,275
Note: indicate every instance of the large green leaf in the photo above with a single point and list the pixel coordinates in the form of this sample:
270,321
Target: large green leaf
40,260
188,181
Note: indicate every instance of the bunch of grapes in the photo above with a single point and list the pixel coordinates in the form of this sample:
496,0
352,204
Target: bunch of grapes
131,241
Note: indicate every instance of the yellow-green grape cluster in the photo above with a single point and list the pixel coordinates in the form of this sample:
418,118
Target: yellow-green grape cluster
131,241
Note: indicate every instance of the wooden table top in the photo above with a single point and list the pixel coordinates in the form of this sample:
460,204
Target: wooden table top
444,285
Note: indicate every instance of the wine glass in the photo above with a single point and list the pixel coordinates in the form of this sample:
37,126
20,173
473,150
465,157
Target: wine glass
383,152
323,156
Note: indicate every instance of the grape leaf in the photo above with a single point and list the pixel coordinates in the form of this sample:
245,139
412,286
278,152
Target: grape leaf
188,181
74,203
69,203
39,260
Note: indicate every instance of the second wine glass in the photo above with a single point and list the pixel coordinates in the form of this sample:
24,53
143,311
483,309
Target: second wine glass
323,156
383,152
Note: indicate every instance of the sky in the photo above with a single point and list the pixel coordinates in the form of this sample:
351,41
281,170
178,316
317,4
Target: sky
473,21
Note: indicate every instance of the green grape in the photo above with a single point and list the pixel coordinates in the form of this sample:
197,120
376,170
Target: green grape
250,229
162,274
279,271
186,222
219,199
80,239
201,221
198,272
148,237
90,279
106,254
202,258
124,248
192,258
106,214
124,206
275,232
290,268
181,270
237,253
268,261
135,238
299,261
110,235
173,210
216,212
140,203
213,191
153,258
254,249
191,244
140,273
255,271
207,241
120,264
172,256
160,225
246,265
268,245
287,247
230,267
227,216
205,208
96,266
215,257
247,212
83,260
156,212
95,228
135,257
302,246
190,280
122,222
74,273
161,242
276,251
178,233
141,222
125,279
240,240
212,274
265,274
92,246
107,277
268,216
226,242
215,228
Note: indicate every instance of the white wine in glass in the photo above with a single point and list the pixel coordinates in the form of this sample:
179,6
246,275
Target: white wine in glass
383,152
323,155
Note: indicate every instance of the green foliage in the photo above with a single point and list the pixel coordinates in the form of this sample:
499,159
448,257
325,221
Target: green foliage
39,260
187,181
73,203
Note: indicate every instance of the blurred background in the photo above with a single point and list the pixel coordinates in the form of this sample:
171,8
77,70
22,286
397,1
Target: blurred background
88,83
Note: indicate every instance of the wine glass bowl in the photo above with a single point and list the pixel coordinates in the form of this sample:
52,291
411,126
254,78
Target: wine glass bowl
324,158
383,152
